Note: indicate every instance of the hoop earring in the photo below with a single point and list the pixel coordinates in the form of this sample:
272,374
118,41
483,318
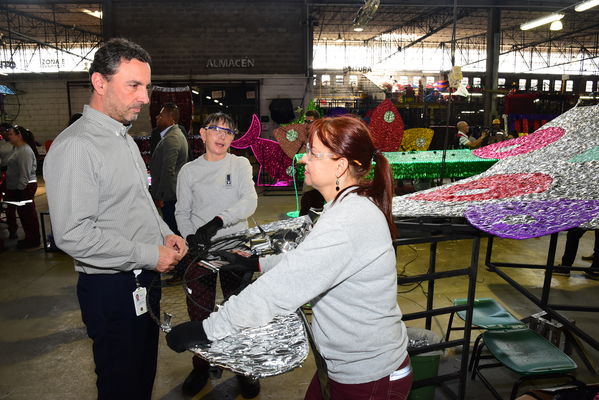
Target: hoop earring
337,185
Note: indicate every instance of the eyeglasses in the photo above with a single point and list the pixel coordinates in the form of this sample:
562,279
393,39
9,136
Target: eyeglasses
319,156
217,130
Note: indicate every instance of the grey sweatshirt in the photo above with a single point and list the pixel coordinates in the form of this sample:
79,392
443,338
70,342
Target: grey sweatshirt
206,189
21,168
346,268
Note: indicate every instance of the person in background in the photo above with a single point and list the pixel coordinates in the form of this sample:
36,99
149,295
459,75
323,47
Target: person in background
21,185
496,134
311,198
572,240
167,159
345,267
467,142
104,217
215,196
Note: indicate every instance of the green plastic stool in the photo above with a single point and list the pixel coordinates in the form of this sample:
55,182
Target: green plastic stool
486,314
526,353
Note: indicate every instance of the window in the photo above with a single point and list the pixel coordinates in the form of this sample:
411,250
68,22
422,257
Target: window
353,80
521,84
465,81
546,85
476,82
501,82
416,80
430,80
534,84
339,80
557,85
569,85
326,80
589,87
314,80
403,80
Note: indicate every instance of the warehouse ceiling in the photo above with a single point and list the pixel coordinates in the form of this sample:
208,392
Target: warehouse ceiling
433,20
403,23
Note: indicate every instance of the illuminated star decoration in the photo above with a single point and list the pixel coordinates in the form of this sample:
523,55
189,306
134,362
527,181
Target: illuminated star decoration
268,153
543,183
386,126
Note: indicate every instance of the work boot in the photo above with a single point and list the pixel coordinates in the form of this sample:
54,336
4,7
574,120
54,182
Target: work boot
195,382
563,272
592,273
248,387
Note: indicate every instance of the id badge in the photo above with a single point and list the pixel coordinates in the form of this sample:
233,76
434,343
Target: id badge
139,299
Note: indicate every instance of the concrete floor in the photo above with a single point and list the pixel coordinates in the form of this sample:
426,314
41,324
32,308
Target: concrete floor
45,352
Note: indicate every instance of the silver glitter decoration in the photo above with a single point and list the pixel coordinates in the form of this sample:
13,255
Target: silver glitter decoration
567,161
281,345
269,350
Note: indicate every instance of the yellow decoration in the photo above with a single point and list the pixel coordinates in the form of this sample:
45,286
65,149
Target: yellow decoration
416,139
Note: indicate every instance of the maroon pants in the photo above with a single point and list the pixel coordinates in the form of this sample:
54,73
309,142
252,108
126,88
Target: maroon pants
383,389
27,213
202,283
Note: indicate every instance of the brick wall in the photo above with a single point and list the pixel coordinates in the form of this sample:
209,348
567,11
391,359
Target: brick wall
186,37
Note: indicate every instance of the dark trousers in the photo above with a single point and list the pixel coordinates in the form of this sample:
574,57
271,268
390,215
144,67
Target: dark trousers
382,389
27,213
572,240
125,346
168,215
202,283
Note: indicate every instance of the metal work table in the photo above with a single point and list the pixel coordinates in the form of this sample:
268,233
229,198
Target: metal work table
433,231
543,302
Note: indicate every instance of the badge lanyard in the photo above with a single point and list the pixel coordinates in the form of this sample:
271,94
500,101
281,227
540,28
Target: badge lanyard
139,295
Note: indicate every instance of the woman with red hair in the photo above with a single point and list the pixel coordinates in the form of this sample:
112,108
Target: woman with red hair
345,268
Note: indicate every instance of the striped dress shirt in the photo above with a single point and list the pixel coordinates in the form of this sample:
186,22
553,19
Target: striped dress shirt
97,186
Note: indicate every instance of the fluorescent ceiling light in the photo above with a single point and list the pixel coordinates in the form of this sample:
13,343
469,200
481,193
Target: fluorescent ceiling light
194,91
541,21
556,26
96,14
208,97
358,29
585,5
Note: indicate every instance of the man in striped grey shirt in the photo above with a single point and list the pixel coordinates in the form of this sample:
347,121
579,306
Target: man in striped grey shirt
104,217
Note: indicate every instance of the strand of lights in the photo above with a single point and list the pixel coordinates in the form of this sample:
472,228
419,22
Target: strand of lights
585,5
541,21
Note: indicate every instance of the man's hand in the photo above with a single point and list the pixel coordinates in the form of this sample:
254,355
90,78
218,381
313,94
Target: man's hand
176,243
159,203
167,259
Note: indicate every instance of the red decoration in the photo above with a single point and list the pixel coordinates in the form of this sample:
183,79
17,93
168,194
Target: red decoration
493,187
386,127
521,145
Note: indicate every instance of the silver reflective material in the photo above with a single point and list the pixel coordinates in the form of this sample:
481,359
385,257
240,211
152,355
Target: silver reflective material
571,162
282,344
273,349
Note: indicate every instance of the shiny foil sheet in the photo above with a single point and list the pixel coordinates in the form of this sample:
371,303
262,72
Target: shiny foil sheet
543,183
273,349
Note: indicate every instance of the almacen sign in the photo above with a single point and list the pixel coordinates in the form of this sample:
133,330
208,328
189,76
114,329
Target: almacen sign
230,63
